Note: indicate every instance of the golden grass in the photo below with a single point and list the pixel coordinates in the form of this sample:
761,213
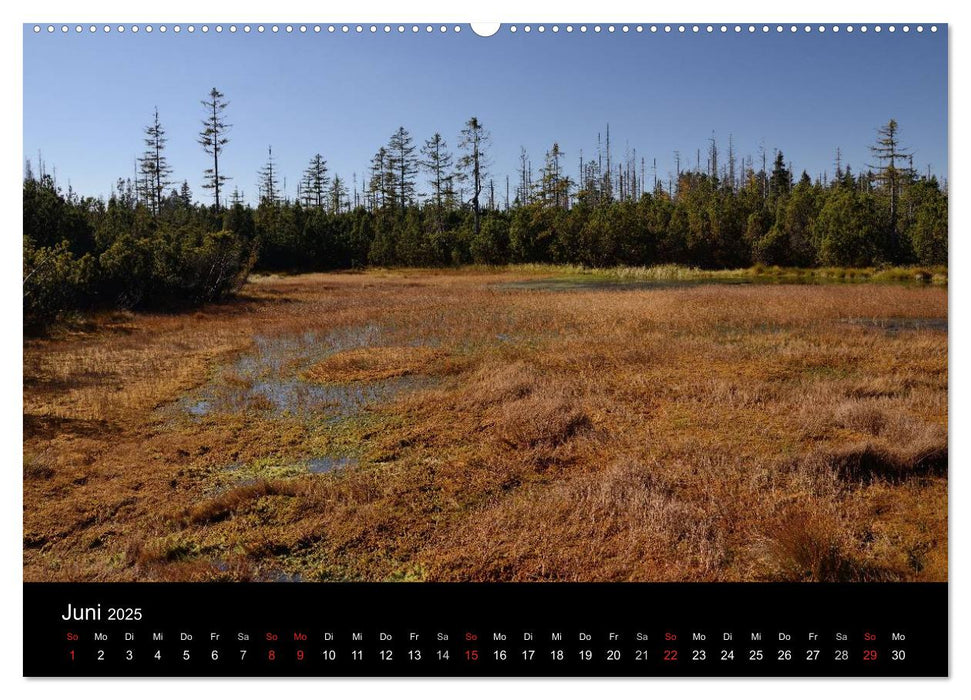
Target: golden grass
934,274
713,432
373,364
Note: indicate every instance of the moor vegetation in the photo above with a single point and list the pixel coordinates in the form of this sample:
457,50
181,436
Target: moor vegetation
637,412
428,425
152,245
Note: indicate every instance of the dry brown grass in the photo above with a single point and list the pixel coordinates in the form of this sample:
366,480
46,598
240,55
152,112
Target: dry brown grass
699,433
373,363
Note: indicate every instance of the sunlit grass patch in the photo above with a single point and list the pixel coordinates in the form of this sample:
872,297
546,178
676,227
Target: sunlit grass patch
228,502
375,363
757,273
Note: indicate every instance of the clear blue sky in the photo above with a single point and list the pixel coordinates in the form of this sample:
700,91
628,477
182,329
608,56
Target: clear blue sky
87,97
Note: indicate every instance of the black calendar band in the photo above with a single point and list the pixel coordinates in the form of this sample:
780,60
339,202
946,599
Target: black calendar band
437,629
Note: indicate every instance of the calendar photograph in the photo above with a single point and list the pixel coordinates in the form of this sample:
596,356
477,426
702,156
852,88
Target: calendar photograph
588,303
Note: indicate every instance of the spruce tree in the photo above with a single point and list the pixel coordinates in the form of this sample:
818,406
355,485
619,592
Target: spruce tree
313,187
153,166
269,180
892,169
337,195
404,166
474,140
213,138
437,162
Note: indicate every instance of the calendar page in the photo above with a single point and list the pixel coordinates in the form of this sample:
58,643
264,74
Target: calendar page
438,349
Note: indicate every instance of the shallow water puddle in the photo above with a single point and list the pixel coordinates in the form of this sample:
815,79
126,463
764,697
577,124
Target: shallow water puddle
896,324
329,463
268,378
199,408
239,474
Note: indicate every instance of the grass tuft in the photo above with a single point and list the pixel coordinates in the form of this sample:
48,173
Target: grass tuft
373,364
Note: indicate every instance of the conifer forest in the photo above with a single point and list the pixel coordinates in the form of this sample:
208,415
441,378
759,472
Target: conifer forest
434,201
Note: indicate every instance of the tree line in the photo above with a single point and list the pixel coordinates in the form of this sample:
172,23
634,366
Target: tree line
152,244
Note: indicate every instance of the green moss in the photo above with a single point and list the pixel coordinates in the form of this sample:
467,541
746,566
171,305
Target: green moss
408,574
